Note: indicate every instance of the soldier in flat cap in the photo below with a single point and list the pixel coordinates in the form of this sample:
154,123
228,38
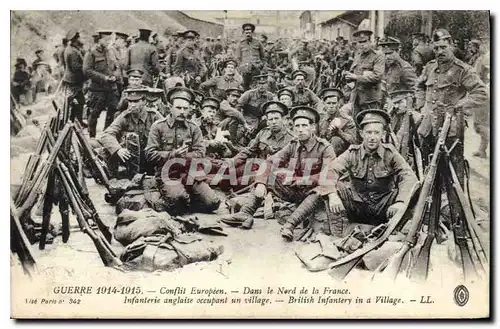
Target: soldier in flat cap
143,56
303,95
250,103
250,54
335,126
188,64
134,82
155,101
304,58
171,54
136,119
217,85
404,122
100,67
218,47
380,180
367,71
73,77
177,138
399,74
422,53
231,119
20,84
448,84
286,96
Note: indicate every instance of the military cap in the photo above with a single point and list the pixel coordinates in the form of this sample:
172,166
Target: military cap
122,35
210,101
330,92
145,31
274,106
372,116
135,73
19,64
250,25
72,34
35,65
234,91
135,95
440,34
180,92
190,34
286,91
297,73
261,77
389,44
153,94
398,95
38,51
230,60
305,112
362,34
198,97
173,82
22,61
264,36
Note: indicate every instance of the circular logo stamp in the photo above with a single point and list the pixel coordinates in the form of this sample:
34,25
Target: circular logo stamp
461,295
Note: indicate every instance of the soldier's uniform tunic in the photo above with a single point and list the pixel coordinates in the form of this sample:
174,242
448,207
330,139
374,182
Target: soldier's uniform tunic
399,75
187,60
251,103
342,137
143,56
167,135
170,58
307,97
250,55
420,56
376,181
220,84
134,122
266,143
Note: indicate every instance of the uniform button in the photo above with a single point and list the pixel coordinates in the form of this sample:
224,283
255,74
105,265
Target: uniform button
437,71
436,81
370,181
433,102
434,90
370,169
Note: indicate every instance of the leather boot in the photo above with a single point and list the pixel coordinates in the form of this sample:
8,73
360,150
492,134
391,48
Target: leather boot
244,217
305,209
336,223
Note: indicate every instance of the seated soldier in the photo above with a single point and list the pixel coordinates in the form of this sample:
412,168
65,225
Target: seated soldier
303,95
154,100
287,97
216,86
336,127
180,140
404,122
134,82
121,137
231,119
380,180
304,157
195,111
217,146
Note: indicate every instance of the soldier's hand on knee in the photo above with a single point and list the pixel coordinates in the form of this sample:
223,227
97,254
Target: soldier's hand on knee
181,151
335,203
260,191
394,209
124,154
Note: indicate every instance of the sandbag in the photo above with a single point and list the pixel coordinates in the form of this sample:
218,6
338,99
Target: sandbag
131,225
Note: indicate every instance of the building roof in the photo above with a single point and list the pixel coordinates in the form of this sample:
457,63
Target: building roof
351,17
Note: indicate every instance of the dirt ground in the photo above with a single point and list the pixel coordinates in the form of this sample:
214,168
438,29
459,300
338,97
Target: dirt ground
258,254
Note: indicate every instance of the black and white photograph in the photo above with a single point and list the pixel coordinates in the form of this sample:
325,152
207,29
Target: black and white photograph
250,164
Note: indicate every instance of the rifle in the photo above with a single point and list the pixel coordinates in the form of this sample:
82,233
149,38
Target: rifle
20,243
391,266
340,268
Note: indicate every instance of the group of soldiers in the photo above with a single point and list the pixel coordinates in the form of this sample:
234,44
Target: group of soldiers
354,113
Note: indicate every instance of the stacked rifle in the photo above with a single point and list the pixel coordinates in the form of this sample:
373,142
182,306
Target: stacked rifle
471,240
57,165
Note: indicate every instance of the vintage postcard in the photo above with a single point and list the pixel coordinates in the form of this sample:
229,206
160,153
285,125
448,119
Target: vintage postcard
250,164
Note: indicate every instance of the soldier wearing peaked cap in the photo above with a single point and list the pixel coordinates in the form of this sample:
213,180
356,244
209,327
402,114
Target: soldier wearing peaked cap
73,77
100,66
335,126
155,100
303,57
367,71
231,119
188,64
175,137
422,53
399,74
136,119
286,96
250,55
405,121
217,85
134,82
144,56
303,95
380,180
303,157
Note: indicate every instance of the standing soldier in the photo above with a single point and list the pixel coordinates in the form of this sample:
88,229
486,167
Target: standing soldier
217,85
421,54
100,68
160,47
73,78
399,74
250,55
304,96
380,180
448,85
188,64
143,56
366,71
171,54
137,119
251,103
175,137
218,47
303,57
336,127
